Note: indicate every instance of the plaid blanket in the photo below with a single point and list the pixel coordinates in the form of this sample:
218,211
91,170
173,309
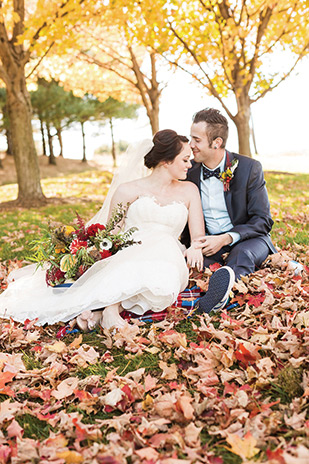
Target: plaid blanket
186,299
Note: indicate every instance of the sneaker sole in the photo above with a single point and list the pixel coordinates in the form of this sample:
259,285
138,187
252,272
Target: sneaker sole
220,285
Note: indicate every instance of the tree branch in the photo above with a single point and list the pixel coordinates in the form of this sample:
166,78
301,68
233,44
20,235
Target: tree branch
5,48
224,50
260,32
18,28
211,87
243,7
141,84
283,78
40,60
35,37
99,63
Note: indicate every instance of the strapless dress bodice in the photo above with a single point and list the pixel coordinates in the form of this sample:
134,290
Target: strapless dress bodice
146,213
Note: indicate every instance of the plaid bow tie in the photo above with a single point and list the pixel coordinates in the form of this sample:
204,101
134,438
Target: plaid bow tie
207,173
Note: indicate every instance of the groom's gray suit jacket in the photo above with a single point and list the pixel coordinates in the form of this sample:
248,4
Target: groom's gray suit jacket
246,200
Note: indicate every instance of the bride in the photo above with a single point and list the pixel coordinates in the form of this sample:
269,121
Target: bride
144,276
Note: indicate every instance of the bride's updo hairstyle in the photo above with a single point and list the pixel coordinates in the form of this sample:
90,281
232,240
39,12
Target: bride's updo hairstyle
167,144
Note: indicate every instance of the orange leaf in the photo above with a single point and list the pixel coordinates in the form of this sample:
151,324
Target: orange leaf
243,447
70,457
76,342
5,377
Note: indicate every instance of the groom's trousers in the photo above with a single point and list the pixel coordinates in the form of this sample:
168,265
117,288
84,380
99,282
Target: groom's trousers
243,257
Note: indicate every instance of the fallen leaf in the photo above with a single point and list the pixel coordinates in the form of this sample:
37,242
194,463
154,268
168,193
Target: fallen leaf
57,347
70,457
148,453
169,371
243,447
65,388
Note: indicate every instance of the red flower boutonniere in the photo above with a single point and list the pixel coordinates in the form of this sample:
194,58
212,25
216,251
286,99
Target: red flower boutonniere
227,175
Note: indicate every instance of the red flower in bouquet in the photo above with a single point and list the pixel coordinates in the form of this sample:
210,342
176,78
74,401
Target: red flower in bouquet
105,254
93,229
77,245
81,270
54,276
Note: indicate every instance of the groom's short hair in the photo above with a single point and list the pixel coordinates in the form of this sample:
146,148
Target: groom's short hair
217,125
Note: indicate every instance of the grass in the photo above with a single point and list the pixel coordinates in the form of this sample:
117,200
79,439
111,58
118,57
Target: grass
289,200
288,193
84,193
33,427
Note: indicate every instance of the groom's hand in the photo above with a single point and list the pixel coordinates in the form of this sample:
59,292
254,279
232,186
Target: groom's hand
211,244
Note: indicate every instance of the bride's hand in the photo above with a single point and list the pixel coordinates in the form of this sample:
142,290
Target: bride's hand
199,242
194,257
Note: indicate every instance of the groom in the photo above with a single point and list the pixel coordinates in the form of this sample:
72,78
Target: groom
235,206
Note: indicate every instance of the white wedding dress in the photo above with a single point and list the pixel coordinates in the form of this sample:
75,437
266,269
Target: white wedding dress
146,276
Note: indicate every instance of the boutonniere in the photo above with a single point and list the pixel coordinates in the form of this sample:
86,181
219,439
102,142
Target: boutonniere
227,175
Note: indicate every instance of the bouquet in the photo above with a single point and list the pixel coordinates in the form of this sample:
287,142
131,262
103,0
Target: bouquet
69,251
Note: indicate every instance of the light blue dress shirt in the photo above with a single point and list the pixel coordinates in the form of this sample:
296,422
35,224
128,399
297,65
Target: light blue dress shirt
214,207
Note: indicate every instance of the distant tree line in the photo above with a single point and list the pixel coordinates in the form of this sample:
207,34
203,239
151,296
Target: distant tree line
57,110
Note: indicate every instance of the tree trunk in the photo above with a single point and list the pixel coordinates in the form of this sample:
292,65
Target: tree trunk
43,136
23,148
12,72
150,93
154,116
84,160
52,159
113,142
9,150
242,121
253,134
59,136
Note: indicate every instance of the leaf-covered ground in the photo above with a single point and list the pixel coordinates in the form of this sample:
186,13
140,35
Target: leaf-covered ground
227,388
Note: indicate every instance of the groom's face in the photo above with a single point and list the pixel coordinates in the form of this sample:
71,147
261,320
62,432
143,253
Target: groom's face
200,144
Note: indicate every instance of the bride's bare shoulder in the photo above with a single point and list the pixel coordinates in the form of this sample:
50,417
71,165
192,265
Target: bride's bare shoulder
130,190
189,187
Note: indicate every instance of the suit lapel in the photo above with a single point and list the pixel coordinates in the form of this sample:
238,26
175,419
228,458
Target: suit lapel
195,174
228,193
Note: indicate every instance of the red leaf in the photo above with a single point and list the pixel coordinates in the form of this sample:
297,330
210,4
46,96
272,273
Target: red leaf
260,407
276,456
214,267
82,395
5,452
45,417
245,356
256,300
126,389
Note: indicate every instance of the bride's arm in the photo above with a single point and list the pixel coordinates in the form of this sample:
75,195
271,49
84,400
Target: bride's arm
196,225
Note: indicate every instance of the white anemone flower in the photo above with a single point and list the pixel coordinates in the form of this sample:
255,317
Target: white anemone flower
106,244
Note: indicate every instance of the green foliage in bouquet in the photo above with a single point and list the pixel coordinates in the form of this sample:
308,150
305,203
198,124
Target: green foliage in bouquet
67,252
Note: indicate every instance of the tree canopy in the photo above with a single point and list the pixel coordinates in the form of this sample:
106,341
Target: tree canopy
230,47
